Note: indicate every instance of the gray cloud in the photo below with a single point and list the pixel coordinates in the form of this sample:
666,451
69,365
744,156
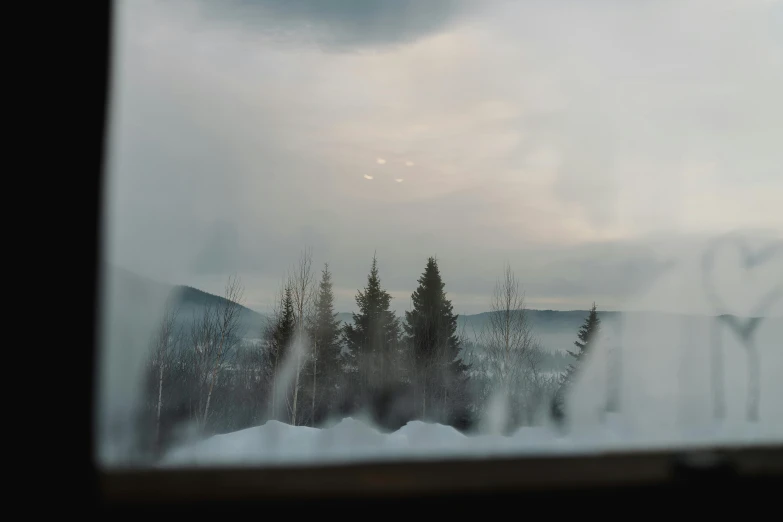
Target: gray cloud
341,25
585,146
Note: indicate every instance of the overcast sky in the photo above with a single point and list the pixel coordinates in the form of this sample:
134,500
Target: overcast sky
585,143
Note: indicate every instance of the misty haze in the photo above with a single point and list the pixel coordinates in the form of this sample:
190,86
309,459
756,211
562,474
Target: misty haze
362,230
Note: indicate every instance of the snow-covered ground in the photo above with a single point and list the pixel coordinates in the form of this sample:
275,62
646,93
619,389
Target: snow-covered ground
352,440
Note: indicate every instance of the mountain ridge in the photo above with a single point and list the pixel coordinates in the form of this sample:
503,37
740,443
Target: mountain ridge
555,329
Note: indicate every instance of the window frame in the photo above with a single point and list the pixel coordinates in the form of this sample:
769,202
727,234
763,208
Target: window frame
390,480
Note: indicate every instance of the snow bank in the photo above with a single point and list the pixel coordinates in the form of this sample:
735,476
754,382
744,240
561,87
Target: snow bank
352,440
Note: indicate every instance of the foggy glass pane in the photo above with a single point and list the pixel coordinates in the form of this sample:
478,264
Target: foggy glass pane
341,230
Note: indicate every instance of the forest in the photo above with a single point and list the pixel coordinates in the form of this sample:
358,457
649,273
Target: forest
307,368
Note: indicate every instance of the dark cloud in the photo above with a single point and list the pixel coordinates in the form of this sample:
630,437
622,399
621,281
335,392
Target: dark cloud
342,24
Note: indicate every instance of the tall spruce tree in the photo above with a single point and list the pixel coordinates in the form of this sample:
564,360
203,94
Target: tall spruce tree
325,368
279,335
439,375
286,325
588,332
373,339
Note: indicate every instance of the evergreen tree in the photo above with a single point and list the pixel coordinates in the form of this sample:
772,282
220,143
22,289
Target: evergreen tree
325,369
588,332
286,325
373,339
279,335
430,327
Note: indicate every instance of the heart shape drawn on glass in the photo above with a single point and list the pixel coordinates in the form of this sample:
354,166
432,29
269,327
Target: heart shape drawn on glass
749,260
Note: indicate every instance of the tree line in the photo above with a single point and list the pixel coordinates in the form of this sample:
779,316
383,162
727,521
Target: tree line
311,370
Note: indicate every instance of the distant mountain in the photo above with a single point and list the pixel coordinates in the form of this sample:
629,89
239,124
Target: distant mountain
192,301
345,317
555,330
138,293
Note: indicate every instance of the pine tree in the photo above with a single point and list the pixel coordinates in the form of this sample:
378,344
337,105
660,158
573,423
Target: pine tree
325,368
373,339
279,335
588,332
286,325
430,327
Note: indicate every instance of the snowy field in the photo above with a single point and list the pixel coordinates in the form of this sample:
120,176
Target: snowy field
352,440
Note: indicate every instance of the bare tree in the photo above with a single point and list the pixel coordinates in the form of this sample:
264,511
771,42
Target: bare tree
200,336
213,336
301,280
227,316
166,337
510,352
